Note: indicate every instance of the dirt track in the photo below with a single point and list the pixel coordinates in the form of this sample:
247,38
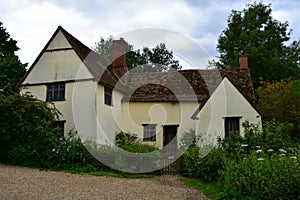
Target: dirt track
26,183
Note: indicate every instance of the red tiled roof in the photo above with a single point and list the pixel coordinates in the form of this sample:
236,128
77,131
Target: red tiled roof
184,85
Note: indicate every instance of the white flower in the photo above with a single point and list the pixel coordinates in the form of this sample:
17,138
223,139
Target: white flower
282,154
259,159
244,145
259,151
258,147
282,151
270,150
293,157
53,150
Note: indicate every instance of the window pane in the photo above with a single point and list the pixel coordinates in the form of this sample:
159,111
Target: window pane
49,92
56,92
107,96
232,124
149,132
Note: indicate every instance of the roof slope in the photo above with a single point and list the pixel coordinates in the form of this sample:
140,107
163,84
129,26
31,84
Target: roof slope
185,85
95,64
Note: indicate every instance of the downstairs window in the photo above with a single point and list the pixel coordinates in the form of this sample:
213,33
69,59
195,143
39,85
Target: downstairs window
232,124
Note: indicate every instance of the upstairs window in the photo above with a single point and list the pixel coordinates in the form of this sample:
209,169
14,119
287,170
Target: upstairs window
232,124
149,132
56,92
108,96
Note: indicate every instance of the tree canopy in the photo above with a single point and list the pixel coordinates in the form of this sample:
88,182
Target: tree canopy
11,69
280,100
255,33
157,59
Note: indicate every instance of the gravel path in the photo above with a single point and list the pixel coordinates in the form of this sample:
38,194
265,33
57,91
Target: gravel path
26,183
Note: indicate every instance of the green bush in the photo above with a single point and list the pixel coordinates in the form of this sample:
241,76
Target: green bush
278,135
274,135
135,161
26,131
262,175
126,138
208,168
130,142
231,144
70,150
28,137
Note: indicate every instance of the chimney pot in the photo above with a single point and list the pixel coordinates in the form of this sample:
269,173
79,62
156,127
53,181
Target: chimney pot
243,61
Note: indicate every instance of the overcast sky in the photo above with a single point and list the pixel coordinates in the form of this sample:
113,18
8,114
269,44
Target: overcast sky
32,22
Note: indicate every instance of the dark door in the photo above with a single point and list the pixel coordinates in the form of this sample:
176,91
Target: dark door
170,138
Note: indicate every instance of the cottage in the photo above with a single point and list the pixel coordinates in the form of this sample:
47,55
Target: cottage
98,100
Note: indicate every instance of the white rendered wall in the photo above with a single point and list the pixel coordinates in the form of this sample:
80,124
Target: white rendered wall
226,101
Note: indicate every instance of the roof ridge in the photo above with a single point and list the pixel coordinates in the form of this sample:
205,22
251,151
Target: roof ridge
75,43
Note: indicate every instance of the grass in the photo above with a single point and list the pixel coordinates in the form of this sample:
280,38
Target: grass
91,170
121,175
211,190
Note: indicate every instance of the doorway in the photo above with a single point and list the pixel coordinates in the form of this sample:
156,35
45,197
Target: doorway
170,138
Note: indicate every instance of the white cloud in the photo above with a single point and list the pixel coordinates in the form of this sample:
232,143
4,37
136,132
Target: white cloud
32,22
32,25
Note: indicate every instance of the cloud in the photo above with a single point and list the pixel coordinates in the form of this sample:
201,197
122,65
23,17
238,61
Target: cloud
32,22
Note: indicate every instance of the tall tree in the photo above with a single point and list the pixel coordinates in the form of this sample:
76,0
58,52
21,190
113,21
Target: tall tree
156,59
11,69
280,100
255,33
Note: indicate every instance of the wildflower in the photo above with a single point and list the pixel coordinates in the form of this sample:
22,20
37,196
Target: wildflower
270,150
244,145
259,159
258,147
53,150
282,154
68,148
259,151
282,151
293,157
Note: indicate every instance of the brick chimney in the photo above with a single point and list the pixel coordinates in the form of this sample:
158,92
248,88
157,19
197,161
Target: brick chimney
119,66
243,60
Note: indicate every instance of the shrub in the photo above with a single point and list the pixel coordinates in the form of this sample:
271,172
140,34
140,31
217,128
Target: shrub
70,150
28,137
207,169
137,156
26,131
278,135
234,149
280,100
126,161
231,144
261,176
131,143
126,138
